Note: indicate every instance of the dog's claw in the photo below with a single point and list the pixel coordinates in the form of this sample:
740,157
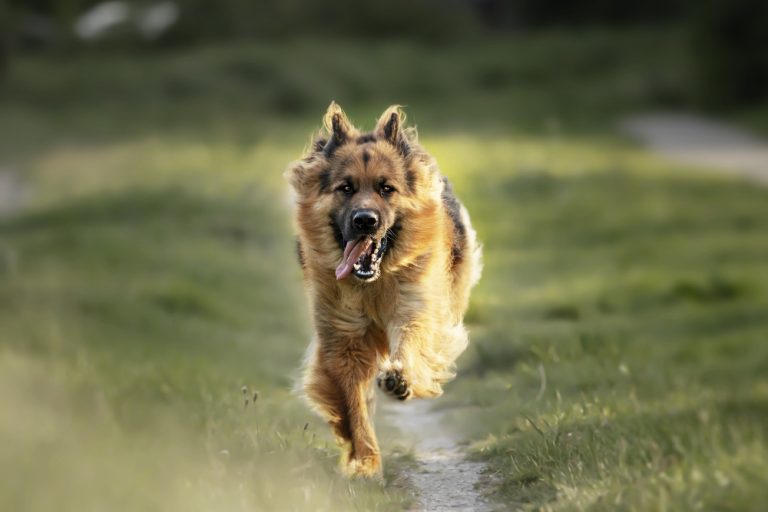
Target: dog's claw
393,383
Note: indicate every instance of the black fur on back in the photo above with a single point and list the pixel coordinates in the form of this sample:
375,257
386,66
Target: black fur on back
300,253
453,207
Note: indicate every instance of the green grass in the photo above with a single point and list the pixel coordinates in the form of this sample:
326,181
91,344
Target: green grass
148,287
137,327
619,348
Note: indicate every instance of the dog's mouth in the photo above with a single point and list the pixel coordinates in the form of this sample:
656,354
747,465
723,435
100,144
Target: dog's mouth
362,258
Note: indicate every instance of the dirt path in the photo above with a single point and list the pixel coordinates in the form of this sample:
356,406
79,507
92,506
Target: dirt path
694,140
444,478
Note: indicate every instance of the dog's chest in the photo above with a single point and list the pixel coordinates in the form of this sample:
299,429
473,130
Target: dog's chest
373,304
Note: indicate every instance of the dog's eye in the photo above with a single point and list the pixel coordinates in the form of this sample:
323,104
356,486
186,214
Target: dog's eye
346,188
387,190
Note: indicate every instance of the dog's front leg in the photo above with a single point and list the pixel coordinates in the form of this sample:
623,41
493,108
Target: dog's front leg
415,367
337,382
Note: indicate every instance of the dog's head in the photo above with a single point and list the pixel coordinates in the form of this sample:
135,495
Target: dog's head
366,201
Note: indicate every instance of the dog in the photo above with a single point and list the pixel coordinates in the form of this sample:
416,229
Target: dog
389,258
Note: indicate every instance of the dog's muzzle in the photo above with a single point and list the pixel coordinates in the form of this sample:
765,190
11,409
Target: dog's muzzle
362,258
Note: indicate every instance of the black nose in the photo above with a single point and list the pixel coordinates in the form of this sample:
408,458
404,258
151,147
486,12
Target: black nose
365,221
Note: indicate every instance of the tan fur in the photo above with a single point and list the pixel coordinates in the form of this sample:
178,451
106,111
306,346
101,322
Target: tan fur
408,322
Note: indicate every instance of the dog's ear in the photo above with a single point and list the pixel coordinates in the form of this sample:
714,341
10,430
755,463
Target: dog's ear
311,173
391,127
338,127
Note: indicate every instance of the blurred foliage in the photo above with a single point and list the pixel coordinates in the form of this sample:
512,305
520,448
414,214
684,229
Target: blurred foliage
202,20
726,40
422,19
543,82
538,13
729,45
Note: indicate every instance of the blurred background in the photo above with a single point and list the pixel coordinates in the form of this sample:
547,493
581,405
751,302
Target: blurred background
152,316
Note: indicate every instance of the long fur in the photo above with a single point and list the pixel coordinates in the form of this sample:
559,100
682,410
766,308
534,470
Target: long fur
405,328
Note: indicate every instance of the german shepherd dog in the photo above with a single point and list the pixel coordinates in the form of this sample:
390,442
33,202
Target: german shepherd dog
389,258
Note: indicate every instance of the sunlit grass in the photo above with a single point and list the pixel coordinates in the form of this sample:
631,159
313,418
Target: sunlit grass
152,324
618,333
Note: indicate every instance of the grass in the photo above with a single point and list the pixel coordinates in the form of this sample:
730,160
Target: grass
152,323
152,316
621,365
144,365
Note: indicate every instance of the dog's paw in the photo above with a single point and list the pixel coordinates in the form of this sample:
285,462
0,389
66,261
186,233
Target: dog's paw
366,467
392,382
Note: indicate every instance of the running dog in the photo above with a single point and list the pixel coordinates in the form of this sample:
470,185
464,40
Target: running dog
389,258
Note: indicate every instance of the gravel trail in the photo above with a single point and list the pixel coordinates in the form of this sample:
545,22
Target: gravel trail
444,478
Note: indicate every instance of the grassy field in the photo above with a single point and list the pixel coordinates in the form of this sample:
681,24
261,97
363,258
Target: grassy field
620,343
152,316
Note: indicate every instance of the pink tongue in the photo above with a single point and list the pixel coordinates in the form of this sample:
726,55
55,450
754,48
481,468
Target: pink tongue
352,252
